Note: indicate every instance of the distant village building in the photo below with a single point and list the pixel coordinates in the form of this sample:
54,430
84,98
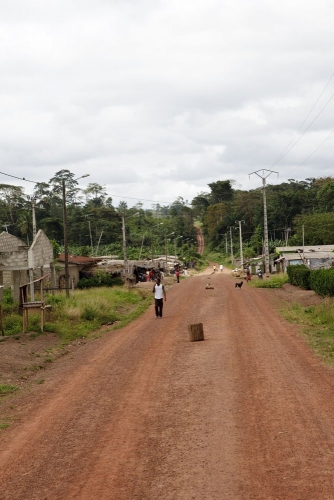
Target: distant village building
20,264
313,256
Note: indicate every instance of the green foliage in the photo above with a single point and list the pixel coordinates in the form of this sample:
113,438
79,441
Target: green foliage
318,228
57,299
7,389
100,279
318,321
8,297
322,282
56,249
89,309
299,275
12,323
275,281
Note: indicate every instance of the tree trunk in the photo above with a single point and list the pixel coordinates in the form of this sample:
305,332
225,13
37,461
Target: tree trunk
196,332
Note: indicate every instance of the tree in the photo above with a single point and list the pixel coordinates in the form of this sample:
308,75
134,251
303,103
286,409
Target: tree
13,198
200,204
25,223
70,183
221,191
95,194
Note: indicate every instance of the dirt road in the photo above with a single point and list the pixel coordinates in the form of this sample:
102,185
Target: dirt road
142,413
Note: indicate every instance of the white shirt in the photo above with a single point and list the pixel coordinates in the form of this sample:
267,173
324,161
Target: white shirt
158,292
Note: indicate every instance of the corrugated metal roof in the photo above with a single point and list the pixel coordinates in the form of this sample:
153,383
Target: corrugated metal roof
77,259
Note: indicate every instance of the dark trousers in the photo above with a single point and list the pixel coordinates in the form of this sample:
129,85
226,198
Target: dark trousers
159,303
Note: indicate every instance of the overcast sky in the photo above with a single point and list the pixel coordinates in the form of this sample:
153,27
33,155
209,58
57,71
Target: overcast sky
156,99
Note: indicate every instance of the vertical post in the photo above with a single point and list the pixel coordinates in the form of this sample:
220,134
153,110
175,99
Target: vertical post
231,242
67,285
124,246
141,248
240,239
266,242
226,244
91,239
53,278
33,219
32,286
98,244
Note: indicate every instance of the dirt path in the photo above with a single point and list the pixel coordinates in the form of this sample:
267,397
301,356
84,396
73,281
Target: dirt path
142,413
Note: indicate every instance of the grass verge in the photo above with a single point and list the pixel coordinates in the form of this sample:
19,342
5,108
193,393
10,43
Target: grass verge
275,281
88,310
318,326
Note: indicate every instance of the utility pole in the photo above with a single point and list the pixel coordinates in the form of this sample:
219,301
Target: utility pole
90,235
124,246
166,248
67,275
65,240
231,241
240,237
126,265
226,243
266,242
33,219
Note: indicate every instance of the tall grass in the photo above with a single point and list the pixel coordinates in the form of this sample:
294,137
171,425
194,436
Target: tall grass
318,325
77,316
275,281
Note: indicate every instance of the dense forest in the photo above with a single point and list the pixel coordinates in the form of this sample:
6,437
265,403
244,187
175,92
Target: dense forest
295,210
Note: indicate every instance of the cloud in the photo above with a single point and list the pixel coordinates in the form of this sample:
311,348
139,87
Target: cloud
169,94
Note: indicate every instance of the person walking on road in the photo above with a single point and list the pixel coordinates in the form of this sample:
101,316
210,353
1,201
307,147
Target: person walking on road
214,268
177,274
159,296
221,267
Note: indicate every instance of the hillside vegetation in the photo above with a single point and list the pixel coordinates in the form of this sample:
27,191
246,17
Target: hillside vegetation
95,222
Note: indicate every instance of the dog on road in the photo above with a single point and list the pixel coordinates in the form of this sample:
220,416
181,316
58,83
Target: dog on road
239,285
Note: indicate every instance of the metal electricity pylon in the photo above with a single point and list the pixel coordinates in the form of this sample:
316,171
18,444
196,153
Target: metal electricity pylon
266,240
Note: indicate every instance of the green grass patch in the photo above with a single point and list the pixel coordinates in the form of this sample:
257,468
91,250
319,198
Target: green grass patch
81,314
7,389
275,281
318,326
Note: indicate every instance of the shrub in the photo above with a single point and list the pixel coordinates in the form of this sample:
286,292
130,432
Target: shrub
299,275
89,313
101,279
8,296
322,282
276,281
12,324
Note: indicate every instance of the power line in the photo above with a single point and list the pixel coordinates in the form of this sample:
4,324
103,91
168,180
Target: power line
286,150
20,178
309,156
293,145
114,195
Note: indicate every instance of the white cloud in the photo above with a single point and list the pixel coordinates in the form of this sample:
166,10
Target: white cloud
170,94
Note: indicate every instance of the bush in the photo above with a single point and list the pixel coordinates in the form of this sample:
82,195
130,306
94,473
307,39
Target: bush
299,275
12,324
8,297
322,282
276,281
101,279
